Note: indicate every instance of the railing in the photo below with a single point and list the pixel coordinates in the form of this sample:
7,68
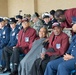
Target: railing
63,29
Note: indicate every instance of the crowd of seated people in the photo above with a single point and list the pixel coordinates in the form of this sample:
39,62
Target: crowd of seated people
42,54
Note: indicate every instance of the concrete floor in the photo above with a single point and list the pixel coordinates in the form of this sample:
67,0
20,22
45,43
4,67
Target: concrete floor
4,73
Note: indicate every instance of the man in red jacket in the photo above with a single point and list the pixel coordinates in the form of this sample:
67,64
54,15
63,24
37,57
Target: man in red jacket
66,17
58,44
26,36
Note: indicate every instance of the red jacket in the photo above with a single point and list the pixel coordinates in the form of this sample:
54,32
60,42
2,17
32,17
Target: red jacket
69,13
25,39
62,40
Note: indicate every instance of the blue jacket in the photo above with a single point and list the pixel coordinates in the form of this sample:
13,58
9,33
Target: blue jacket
0,35
13,37
19,26
5,35
72,48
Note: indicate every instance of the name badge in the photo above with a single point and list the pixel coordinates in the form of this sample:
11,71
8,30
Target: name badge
4,32
19,28
17,36
13,34
57,46
3,36
26,39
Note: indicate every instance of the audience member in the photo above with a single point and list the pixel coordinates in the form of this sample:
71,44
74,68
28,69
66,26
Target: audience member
4,38
65,17
28,16
37,22
19,22
52,12
6,22
46,21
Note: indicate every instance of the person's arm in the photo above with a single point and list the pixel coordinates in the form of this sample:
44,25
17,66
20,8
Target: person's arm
14,42
71,44
19,37
62,49
5,40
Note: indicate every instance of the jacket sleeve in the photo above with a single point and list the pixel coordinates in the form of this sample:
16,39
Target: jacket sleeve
62,50
5,40
72,43
18,41
15,40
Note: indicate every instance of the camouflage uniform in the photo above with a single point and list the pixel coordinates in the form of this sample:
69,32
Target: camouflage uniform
37,25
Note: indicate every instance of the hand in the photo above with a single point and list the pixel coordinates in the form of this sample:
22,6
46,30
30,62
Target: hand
42,55
67,57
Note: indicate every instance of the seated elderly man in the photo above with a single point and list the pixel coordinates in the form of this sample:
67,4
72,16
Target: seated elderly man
4,39
64,65
33,54
58,44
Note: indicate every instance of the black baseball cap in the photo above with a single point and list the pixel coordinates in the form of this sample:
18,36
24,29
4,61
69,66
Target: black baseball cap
1,19
12,20
19,16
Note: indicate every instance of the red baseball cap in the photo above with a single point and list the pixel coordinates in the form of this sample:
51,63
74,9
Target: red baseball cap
25,19
56,24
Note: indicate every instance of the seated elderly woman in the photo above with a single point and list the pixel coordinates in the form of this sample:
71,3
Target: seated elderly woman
37,47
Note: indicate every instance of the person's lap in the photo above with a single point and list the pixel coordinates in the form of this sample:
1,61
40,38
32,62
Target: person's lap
70,64
54,63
